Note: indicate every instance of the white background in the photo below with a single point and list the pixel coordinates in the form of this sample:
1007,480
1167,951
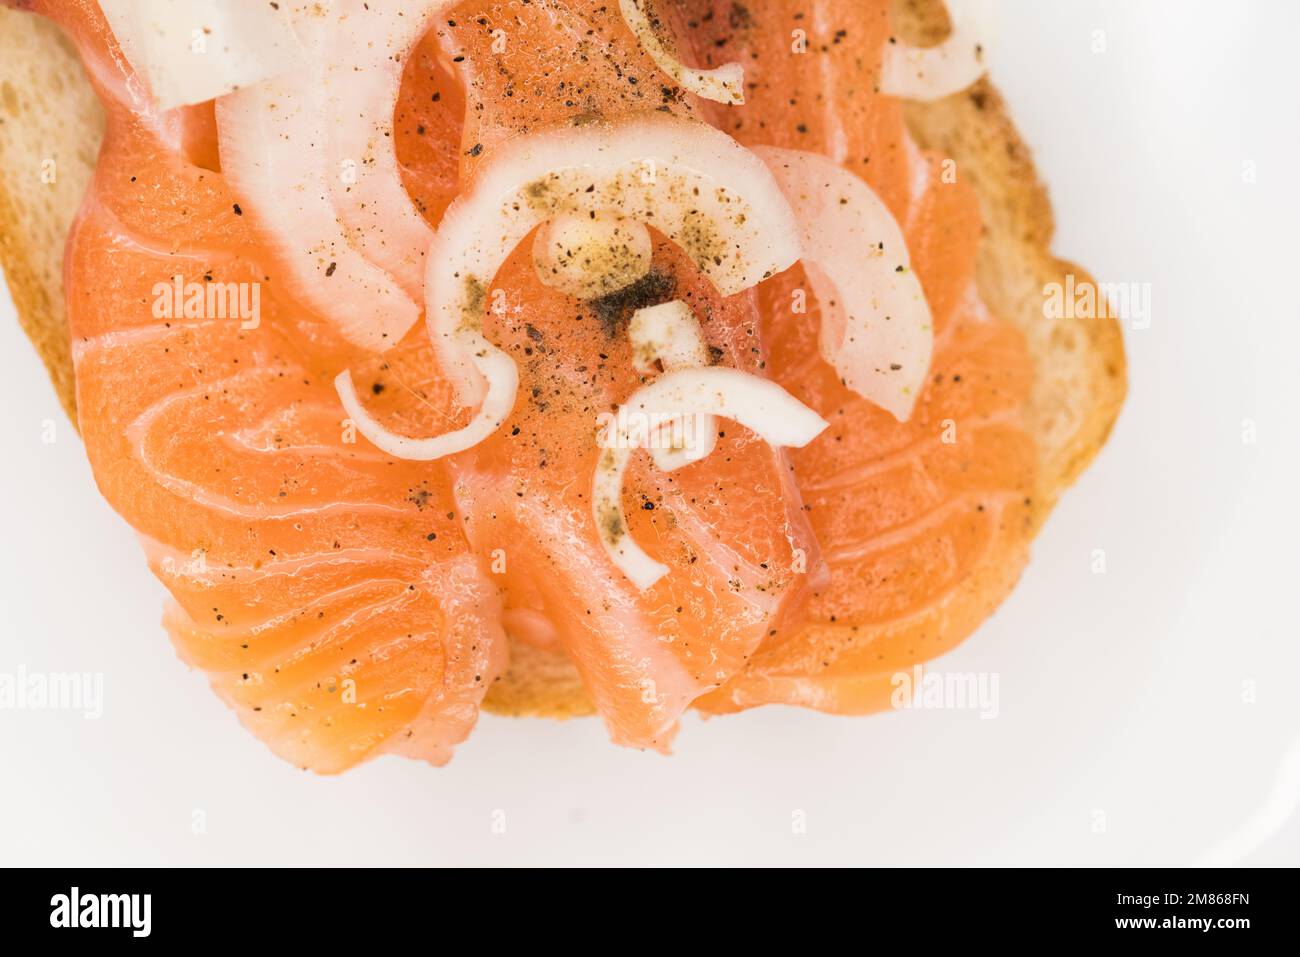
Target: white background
1121,694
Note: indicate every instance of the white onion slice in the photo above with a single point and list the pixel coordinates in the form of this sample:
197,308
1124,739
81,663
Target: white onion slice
708,194
931,73
368,48
270,138
696,185
587,258
725,84
670,335
496,368
876,326
759,404
190,51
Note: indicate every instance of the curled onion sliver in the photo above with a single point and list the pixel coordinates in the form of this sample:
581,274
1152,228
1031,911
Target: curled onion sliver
669,335
269,139
496,368
368,48
705,192
759,404
190,51
876,326
725,84
931,73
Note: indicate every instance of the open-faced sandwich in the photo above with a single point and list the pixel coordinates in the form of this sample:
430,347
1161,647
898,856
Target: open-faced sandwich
553,357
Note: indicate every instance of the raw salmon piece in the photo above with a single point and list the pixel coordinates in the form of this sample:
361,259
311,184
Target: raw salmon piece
428,123
527,65
924,524
326,589
810,81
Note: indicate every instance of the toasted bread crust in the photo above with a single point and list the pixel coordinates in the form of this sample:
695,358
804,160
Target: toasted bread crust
1082,373
50,127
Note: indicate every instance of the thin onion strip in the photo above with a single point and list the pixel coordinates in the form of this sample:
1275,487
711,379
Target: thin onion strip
496,367
705,192
369,46
931,73
724,84
876,328
759,404
269,136
191,51
669,335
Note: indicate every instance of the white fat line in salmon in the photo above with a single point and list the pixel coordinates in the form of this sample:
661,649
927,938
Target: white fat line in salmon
148,435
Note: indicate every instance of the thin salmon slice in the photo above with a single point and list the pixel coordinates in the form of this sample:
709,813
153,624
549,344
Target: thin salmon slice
810,81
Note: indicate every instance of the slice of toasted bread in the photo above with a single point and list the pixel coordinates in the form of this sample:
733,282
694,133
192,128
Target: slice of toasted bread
49,114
